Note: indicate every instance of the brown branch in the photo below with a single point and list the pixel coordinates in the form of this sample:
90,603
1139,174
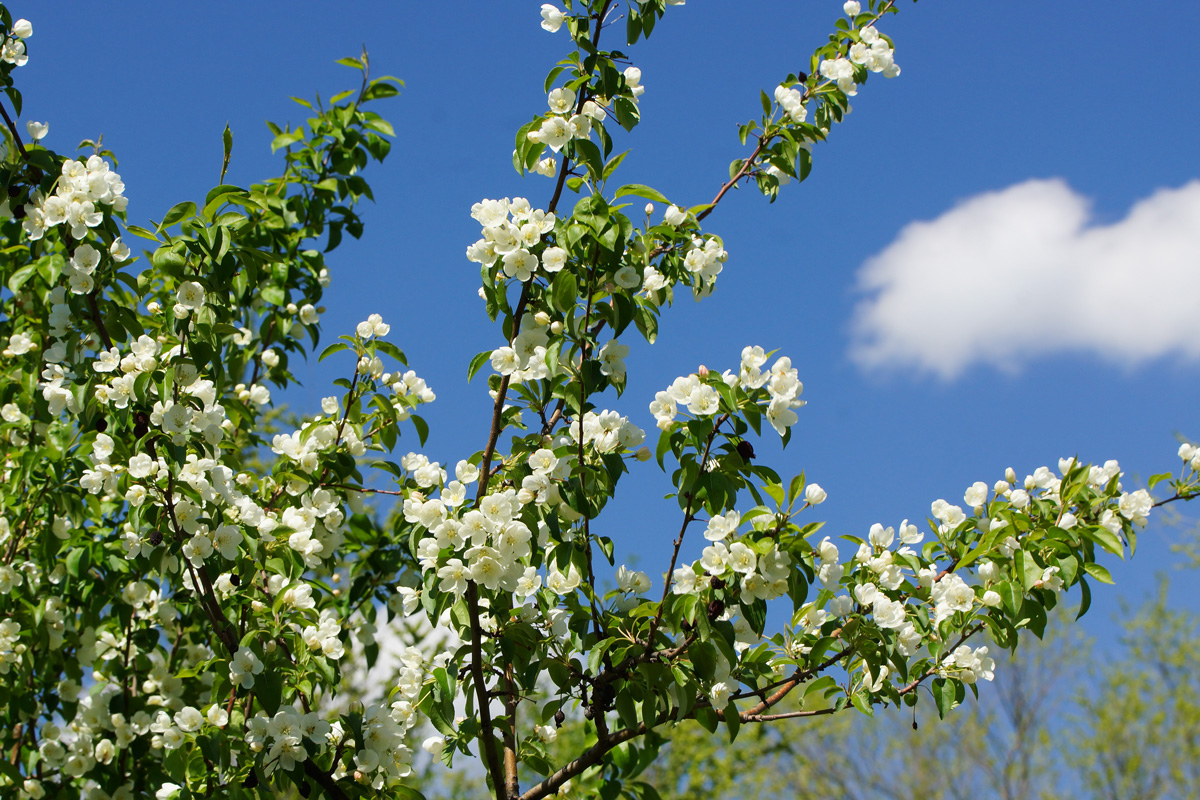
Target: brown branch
95,309
512,787
1184,497
13,129
763,142
789,715
555,416
203,589
362,489
323,780
494,768
687,520
741,173
588,758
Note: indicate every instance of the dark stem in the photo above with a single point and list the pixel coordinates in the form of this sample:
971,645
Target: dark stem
495,770
95,309
13,130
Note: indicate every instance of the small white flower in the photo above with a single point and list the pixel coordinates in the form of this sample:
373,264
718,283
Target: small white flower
552,18
674,216
190,295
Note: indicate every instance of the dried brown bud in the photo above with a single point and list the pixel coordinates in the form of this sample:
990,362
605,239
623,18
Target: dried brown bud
745,450
716,608
559,718
155,538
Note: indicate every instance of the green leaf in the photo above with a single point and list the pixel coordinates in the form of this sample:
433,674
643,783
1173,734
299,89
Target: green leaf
627,113
286,139
862,702
639,190
336,347
564,290
381,126
268,688
176,213
1098,572
1159,478
422,428
944,695
78,562
1085,597
477,363
217,196
733,720
1011,596
137,230
390,349
589,153
1106,539
227,139
18,278
275,295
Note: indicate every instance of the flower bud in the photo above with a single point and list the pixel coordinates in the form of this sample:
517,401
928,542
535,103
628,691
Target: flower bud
556,327
649,209
643,453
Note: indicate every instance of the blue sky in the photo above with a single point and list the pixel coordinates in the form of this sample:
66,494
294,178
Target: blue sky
992,95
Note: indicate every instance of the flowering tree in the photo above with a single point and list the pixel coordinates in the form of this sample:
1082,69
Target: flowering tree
173,620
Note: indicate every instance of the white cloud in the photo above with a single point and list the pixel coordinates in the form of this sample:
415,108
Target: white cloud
1011,275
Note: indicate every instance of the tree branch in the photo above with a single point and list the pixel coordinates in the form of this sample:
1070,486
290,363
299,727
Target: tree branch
488,741
12,128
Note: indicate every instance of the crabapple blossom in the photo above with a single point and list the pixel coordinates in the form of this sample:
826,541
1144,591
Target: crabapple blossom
173,588
552,18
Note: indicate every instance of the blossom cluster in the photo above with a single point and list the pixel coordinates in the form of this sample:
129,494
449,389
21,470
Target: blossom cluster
13,51
493,544
695,395
703,260
871,50
83,189
513,233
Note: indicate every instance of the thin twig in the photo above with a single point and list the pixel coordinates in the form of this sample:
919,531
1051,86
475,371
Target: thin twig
13,130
